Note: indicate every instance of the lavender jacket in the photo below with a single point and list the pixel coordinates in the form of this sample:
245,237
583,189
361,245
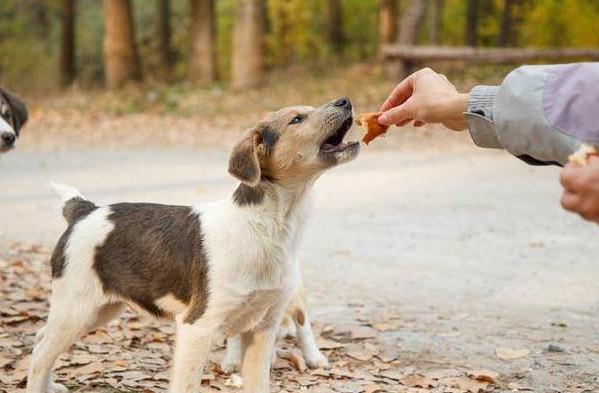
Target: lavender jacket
540,114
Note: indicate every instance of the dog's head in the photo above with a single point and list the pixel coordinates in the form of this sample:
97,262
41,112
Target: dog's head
13,115
294,145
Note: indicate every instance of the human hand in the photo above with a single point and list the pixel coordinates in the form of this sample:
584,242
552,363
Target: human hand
425,97
581,189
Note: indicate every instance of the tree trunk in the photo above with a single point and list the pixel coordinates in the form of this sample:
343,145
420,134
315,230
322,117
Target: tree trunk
411,21
42,22
436,21
471,33
388,17
67,45
409,27
335,25
202,54
164,35
121,59
506,34
248,46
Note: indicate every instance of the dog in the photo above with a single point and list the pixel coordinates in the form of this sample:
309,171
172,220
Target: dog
13,116
228,266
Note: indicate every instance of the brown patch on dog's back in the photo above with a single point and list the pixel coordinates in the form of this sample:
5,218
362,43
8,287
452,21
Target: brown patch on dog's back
153,251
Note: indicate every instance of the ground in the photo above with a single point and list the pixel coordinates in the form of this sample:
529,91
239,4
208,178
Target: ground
428,263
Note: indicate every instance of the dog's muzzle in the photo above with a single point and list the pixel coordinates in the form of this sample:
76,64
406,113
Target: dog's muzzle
7,140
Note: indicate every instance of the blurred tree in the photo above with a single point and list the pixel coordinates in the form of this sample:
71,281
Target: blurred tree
506,32
411,21
247,70
165,50
121,59
388,17
471,28
335,26
67,44
202,54
436,20
42,26
409,26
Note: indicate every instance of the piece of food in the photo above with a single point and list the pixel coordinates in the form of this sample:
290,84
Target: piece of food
581,156
369,121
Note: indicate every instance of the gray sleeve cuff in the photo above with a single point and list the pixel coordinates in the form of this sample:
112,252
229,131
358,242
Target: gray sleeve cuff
482,131
480,117
482,99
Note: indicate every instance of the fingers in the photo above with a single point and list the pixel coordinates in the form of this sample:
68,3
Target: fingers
399,95
403,123
568,177
581,190
398,115
570,201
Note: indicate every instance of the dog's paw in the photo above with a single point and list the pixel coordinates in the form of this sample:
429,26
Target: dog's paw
317,360
57,388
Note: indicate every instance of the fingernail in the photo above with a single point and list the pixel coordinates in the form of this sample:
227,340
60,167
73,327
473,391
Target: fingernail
383,119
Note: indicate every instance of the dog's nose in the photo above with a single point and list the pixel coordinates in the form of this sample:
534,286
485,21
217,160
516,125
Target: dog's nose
343,102
8,138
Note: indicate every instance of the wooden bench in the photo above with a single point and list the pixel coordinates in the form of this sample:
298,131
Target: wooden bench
401,59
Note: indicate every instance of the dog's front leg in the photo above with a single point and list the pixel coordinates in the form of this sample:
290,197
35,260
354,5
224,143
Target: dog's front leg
191,351
258,346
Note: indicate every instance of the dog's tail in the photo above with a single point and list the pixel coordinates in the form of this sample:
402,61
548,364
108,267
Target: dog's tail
75,205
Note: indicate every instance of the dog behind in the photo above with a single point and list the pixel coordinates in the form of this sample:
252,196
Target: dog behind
13,116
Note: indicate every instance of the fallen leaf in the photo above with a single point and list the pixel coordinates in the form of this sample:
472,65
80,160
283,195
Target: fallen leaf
296,359
418,381
484,376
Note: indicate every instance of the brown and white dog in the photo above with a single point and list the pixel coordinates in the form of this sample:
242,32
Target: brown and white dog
228,266
13,116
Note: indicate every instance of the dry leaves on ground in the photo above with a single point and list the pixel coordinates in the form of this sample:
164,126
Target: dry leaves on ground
133,354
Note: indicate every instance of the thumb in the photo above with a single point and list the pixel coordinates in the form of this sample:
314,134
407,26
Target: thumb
398,114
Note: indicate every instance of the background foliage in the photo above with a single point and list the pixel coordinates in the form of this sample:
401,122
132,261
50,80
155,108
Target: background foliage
296,34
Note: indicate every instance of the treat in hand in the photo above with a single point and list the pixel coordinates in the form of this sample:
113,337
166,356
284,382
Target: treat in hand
581,156
369,121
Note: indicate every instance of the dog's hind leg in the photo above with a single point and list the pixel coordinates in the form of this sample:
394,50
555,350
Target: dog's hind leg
191,352
232,359
67,321
305,336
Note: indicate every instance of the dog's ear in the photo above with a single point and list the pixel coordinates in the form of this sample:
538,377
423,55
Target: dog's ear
244,163
18,109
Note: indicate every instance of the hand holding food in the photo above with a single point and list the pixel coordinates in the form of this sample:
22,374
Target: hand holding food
581,156
580,179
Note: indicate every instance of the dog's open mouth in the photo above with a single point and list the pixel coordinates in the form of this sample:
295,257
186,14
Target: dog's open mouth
334,143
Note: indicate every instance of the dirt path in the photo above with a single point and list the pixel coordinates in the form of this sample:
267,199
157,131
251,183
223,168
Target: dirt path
454,260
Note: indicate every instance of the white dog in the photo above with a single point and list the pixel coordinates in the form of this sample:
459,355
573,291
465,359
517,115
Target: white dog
226,266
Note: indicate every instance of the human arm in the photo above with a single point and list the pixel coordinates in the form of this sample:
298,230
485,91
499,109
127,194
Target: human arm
540,114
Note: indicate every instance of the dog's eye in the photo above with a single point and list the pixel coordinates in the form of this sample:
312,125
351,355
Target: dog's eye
296,120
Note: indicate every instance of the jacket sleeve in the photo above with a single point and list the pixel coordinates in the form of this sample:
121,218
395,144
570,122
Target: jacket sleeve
540,114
